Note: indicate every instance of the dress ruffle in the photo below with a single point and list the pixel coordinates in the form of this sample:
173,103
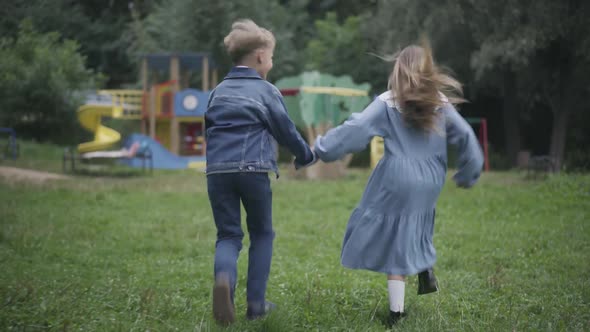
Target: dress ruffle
391,244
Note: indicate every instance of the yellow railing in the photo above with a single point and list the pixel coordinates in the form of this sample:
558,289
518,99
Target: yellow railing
347,92
130,100
377,150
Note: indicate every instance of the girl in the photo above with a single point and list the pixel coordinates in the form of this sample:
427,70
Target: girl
391,229
245,118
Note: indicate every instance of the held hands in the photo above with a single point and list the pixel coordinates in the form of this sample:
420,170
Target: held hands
312,162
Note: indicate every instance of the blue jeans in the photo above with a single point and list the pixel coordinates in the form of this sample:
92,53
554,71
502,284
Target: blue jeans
225,193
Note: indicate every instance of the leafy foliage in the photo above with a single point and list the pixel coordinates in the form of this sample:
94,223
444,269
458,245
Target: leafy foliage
525,53
336,47
95,25
39,77
201,25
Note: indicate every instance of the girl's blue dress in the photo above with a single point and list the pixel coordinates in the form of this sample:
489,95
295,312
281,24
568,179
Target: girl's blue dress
391,229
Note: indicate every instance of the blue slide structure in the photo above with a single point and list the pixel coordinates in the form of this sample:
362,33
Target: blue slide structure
162,158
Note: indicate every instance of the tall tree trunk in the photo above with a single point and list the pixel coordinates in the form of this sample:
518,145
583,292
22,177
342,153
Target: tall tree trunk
562,103
558,137
510,115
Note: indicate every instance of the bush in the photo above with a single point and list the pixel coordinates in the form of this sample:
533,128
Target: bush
38,76
498,159
577,161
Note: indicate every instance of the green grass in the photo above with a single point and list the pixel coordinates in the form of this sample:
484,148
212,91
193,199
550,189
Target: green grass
33,156
136,253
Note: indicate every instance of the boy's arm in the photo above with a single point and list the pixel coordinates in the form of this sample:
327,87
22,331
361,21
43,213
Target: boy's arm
283,130
354,134
470,158
207,121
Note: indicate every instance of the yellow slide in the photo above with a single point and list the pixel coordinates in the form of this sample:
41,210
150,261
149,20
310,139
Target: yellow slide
90,116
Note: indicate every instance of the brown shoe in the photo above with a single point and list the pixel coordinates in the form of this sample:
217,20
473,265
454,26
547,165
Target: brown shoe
223,308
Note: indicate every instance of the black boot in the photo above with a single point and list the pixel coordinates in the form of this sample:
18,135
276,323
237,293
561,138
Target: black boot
258,310
395,316
427,282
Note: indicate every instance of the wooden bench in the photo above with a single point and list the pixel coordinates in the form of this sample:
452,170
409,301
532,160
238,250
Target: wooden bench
540,164
71,158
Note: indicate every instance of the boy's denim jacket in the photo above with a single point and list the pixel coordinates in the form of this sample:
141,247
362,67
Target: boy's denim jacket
245,118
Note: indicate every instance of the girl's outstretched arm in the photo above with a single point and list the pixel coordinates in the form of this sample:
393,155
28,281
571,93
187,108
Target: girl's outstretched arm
470,158
354,134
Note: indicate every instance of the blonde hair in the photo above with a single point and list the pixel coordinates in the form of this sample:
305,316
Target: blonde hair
417,83
246,37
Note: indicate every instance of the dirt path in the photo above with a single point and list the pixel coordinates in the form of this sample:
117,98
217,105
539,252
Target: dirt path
20,174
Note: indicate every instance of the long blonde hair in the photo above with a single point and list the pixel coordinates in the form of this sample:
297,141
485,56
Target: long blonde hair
417,83
246,37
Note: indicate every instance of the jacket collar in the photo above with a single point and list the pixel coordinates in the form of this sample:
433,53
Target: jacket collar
242,72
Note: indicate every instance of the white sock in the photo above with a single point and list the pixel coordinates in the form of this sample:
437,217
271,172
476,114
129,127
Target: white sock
397,291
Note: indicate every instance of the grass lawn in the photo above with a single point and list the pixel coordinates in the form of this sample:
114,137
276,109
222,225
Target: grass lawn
135,253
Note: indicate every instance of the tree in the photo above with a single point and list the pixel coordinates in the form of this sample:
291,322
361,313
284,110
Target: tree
339,49
541,44
343,9
40,77
201,25
96,25
530,54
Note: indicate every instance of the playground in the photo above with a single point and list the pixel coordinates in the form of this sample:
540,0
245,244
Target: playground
169,113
